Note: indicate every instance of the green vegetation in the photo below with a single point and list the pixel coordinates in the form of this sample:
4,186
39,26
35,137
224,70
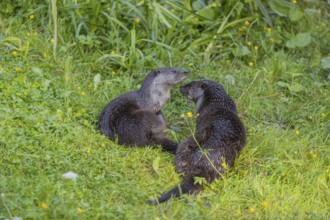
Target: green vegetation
61,62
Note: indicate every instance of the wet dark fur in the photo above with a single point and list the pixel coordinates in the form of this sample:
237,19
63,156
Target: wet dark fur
219,132
135,117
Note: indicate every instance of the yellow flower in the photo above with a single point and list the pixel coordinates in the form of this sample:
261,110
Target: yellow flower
247,23
224,165
189,114
82,93
113,73
190,64
44,205
249,43
18,69
313,155
256,48
14,53
79,210
310,117
78,87
182,116
31,17
113,52
269,30
297,132
137,20
323,114
251,210
52,41
214,5
28,34
250,64
294,1
264,203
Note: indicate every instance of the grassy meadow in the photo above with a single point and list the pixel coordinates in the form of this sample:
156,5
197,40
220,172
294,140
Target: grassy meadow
62,61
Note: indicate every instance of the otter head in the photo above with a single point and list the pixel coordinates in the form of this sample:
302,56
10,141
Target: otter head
167,76
194,90
208,92
157,85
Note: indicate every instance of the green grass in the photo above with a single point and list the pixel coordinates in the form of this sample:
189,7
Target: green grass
51,96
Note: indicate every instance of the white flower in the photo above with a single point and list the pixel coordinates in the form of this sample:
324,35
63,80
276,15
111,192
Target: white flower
70,175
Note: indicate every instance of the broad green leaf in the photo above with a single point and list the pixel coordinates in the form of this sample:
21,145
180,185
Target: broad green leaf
295,14
296,87
36,70
241,51
207,12
303,39
155,164
326,63
280,7
283,84
300,40
97,79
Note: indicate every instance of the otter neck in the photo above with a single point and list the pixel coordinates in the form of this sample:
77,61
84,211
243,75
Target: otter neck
153,97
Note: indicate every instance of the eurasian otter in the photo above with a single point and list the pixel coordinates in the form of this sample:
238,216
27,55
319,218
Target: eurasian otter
136,118
219,138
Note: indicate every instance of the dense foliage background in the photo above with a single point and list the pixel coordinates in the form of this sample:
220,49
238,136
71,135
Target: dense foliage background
62,61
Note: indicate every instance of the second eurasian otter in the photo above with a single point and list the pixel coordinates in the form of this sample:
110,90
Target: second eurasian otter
136,118
218,140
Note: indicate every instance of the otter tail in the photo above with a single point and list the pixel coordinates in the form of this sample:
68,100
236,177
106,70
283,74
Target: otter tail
177,191
104,124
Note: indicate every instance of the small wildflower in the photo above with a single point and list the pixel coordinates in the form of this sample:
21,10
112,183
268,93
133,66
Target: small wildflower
82,93
264,203
269,30
28,34
297,132
182,116
256,48
249,43
250,64
113,52
189,114
78,87
14,53
18,69
88,150
44,205
137,20
190,64
252,210
214,5
197,114
294,1
31,17
323,114
310,117
224,165
247,23
52,41
79,210
113,73
313,155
